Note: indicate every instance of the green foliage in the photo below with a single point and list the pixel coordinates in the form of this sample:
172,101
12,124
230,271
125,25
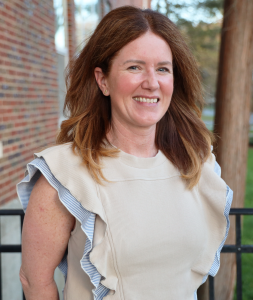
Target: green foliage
204,40
247,234
177,9
211,6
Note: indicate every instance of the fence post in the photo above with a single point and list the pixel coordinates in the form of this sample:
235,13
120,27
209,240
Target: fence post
238,258
211,288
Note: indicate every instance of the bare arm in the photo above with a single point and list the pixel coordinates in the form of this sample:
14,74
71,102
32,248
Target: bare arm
46,231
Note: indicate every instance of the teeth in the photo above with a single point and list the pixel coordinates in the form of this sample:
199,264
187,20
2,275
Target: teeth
140,99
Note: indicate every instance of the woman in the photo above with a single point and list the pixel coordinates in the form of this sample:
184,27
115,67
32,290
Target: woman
131,190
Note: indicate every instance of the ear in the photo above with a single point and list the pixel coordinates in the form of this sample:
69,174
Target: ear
101,81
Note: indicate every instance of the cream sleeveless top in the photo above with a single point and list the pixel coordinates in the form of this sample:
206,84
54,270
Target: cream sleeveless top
141,236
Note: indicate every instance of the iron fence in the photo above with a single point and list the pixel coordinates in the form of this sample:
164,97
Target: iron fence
10,248
238,248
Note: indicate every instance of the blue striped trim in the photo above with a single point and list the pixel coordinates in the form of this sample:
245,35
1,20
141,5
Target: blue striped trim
229,197
85,217
217,169
216,264
204,278
195,295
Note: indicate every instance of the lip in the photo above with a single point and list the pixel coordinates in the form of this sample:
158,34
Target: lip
148,97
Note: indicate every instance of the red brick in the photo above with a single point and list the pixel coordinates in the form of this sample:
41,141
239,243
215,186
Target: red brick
26,118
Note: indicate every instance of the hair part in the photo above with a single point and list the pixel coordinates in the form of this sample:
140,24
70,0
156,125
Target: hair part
181,134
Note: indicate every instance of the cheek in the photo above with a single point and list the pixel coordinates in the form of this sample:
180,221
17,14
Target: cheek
124,84
167,89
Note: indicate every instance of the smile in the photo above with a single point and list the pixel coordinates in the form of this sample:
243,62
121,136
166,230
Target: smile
140,99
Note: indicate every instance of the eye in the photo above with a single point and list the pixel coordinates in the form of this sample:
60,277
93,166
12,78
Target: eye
164,70
133,68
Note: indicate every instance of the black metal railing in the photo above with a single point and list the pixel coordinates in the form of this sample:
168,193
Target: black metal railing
238,248
10,248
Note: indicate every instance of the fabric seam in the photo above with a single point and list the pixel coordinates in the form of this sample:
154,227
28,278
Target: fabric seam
112,246
144,179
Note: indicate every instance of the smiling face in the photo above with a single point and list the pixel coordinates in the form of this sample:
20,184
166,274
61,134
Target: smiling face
140,82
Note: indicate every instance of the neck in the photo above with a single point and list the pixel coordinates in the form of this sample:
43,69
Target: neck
139,142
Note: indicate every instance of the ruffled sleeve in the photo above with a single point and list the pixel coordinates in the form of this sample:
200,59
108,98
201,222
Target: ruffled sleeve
84,216
229,197
228,201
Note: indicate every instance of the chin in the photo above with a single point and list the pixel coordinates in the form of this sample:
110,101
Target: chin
147,123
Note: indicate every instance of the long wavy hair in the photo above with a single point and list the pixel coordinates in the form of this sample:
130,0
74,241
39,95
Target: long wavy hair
181,134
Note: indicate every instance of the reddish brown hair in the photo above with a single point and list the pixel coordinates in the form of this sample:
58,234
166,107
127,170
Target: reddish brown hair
181,135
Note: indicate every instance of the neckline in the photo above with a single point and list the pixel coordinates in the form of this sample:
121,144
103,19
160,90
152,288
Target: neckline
141,162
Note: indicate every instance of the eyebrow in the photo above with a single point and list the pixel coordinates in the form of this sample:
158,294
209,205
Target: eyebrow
165,63
143,62
134,61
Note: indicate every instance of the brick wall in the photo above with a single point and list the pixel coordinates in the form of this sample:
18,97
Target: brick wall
71,28
28,86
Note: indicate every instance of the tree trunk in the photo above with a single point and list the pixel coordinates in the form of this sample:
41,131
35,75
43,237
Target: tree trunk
232,119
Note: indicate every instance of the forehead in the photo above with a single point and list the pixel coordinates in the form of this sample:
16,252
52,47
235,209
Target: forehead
147,46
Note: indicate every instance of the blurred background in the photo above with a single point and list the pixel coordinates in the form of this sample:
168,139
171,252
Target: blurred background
37,39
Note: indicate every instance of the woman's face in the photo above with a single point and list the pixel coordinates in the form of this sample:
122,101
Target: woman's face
140,82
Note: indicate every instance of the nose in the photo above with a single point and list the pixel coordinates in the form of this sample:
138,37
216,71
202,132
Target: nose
150,81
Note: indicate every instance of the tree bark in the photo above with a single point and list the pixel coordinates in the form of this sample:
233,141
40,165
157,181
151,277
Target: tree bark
232,119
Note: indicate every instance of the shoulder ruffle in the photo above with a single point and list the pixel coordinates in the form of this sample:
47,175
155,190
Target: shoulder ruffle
78,194
217,215
229,198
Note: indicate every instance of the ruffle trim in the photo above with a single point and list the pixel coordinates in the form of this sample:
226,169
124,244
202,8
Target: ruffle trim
85,217
195,295
229,198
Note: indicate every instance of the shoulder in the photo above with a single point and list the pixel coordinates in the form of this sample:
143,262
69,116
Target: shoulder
68,169
63,161
57,152
211,161
210,166
211,185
